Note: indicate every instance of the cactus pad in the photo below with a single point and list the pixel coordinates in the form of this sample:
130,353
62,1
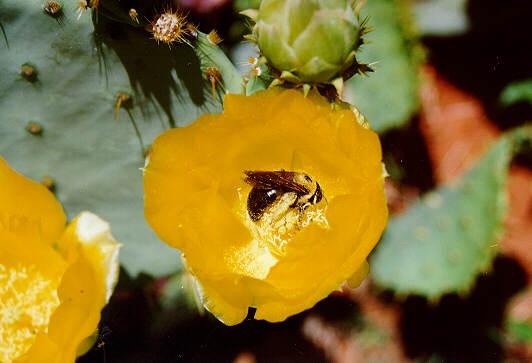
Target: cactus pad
450,236
388,96
86,72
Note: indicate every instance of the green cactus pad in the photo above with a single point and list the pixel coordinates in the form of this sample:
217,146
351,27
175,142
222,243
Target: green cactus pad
208,53
388,96
211,55
95,159
447,238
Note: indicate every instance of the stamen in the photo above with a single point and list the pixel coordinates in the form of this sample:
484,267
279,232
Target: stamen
27,301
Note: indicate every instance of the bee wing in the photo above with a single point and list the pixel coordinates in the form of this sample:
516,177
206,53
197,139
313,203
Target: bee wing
274,180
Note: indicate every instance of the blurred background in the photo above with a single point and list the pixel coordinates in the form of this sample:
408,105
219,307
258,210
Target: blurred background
450,279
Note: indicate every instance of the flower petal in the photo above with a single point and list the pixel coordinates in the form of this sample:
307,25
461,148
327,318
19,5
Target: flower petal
30,270
196,200
27,209
356,279
224,298
92,256
30,273
43,350
311,271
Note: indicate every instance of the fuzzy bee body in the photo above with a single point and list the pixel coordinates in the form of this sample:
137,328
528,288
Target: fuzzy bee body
259,200
280,191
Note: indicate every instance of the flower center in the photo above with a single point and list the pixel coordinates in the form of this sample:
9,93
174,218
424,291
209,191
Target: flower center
281,203
27,301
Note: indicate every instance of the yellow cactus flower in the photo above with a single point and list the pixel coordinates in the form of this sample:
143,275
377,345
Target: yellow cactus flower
54,279
274,203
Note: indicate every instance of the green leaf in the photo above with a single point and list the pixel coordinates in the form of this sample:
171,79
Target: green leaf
443,241
517,92
388,96
95,159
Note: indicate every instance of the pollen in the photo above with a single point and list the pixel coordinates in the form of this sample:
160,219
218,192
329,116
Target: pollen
281,223
27,301
170,27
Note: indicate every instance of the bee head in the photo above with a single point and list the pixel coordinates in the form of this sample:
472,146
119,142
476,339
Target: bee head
306,181
315,193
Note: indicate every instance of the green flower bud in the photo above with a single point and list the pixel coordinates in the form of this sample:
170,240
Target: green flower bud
312,39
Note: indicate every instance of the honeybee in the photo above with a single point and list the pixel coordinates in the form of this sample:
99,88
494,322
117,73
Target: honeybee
279,191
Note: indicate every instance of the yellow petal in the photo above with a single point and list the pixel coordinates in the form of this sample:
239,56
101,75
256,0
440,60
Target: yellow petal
27,209
92,273
43,350
310,274
356,279
225,298
30,273
50,297
30,269
196,200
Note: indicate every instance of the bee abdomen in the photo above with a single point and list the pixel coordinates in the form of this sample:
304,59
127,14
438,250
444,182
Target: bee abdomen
259,200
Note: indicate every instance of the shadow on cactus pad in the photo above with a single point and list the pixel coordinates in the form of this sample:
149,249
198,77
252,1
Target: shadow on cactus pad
152,68
91,95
